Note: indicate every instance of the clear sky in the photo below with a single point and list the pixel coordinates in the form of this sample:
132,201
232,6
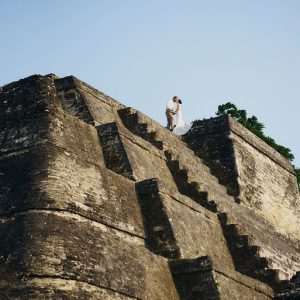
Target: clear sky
143,52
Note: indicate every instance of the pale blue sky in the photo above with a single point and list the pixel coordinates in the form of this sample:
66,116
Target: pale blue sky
144,52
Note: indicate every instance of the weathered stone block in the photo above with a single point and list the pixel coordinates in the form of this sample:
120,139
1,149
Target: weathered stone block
27,99
57,288
199,279
48,178
56,244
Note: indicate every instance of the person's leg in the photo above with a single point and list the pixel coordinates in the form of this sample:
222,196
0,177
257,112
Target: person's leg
169,119
172,122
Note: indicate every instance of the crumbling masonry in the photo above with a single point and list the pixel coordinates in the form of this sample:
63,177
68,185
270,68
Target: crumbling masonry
98,201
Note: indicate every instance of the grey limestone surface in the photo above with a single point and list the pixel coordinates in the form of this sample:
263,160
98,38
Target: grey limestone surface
92,208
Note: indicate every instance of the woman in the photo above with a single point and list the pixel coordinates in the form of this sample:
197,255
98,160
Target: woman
180,128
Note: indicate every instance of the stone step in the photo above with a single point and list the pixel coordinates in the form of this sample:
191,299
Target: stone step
212,206
183,174
289,289
200,279
246,256
204,196
241,241
134,123
271,275
190,189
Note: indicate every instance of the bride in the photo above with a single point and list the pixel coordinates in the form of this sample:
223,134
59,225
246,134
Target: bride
180,128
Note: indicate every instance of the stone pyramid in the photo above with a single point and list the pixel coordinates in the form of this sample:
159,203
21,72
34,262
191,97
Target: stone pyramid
98,201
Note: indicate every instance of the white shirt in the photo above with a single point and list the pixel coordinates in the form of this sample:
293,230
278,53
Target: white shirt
170,104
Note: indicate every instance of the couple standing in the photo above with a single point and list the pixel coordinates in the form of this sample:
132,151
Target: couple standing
174,108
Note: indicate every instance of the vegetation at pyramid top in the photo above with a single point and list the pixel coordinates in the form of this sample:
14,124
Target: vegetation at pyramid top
256,127
253,125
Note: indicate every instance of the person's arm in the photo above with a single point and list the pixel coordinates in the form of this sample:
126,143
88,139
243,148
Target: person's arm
169,108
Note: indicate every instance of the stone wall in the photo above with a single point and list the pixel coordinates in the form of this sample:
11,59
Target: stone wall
69,226
267,181
95,207
253,172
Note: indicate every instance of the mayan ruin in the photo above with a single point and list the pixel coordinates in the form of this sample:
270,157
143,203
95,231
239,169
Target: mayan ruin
99,201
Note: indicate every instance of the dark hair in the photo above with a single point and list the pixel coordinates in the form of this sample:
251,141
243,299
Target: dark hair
179,101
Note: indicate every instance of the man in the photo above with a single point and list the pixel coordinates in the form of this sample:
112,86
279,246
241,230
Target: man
170,112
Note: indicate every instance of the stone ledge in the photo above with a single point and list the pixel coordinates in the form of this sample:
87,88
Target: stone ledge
260,145
227,124
58,288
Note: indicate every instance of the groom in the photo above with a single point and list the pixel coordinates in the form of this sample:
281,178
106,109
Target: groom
170,112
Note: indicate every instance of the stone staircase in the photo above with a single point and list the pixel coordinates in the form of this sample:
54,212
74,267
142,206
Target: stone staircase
198,277
195,278
216,154
245,254
138,125
187,187
131,120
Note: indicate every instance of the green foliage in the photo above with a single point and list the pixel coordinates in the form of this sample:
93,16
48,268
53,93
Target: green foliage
253,125
197,122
